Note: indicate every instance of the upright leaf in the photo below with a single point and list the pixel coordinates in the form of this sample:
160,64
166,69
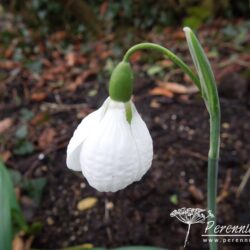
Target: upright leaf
6,190
204,70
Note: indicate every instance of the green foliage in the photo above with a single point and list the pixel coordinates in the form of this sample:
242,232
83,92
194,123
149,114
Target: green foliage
26,114
34,66
196,16
205,72
22,145
53,14
6,190
154,70
33,187
174,199
211,99
22,132
11,216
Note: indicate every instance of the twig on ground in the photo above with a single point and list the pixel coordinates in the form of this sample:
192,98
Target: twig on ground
243,182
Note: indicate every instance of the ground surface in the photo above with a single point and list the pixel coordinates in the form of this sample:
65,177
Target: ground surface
62,85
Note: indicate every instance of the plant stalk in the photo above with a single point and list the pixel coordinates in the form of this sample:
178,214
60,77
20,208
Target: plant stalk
211,100
167,53
213,159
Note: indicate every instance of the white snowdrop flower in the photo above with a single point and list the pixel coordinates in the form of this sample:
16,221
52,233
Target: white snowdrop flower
110,151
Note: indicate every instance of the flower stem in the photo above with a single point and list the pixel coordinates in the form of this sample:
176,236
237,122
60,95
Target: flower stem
206,84
213,159
167,53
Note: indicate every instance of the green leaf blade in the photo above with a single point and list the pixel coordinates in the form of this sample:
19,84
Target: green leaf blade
205,72
5,211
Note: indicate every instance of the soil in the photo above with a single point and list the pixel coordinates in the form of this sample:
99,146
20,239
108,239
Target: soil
140,214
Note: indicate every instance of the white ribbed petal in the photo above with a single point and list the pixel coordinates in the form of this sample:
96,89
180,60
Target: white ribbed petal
144,143
117,153
87,126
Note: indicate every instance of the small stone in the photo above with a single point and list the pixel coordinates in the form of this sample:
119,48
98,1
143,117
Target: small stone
50,221
225,125
41,156
183,173
173,117
86,203
82,185
155,104
191,181
44,168
109,205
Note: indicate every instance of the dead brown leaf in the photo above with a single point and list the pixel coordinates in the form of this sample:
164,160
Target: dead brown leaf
5,124
80,80
39,118
166,63
136,57
38,96
7,64
161,91
196,193
5,155
18,243
46,138
177,88
58,36
103,8
71,59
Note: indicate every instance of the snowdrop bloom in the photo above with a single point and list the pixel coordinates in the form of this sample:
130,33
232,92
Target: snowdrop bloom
110,149
112,146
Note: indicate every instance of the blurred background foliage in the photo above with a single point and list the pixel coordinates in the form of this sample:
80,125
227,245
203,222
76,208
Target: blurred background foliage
99,17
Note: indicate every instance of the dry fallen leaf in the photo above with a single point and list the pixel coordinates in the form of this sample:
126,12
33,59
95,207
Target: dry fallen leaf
5,124
46,138
80,79
29,242
177,88
166,63
39,119
136,57
5,155
196,193
86,203
38,96
71,59
161,91
18,243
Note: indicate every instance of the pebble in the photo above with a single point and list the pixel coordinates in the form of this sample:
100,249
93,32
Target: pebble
225,125
50,221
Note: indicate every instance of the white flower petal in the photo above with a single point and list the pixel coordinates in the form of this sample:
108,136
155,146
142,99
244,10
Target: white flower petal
144,143
86,126
109,157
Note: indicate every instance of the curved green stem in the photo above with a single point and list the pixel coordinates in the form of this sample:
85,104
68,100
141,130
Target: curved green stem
167,53
121,82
